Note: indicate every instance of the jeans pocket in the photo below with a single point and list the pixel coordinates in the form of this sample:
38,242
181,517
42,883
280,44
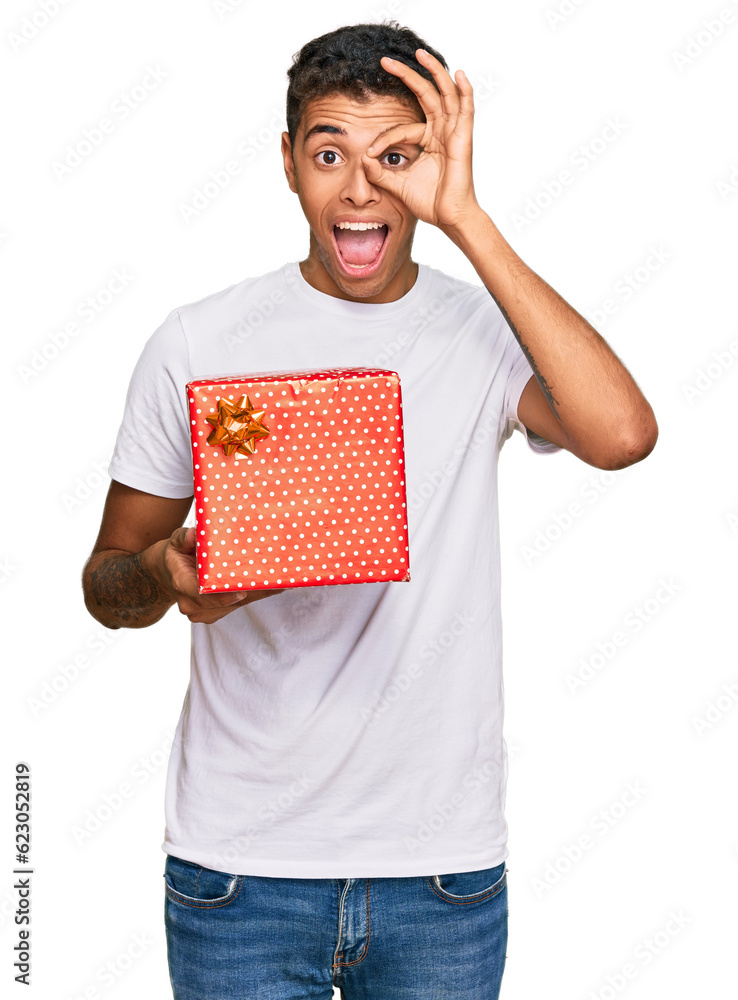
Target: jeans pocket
193,885
470,887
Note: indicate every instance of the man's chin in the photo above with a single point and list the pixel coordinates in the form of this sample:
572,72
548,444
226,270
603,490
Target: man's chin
359,286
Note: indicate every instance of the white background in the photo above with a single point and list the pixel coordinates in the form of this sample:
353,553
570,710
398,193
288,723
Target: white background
545,88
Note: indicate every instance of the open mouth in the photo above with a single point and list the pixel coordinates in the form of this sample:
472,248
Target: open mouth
360,246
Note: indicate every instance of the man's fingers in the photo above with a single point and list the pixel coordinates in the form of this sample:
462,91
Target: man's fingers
259,594
208,605
408,134
205,608
215,601
441,99
222,600
179,560
427,95
444,82
201,617
466,95
376,174
211,608
391,178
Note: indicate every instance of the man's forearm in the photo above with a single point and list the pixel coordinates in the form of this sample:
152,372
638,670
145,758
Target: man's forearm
123,590
587,387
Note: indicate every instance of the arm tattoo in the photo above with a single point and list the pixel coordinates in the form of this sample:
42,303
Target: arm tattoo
552,401
122,585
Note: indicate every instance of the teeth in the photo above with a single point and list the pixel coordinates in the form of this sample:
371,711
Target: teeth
360,225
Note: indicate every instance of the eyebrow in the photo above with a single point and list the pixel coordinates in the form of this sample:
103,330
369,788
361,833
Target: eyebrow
334,130
317,129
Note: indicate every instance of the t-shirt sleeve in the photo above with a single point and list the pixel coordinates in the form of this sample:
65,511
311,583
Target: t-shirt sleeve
520,373
152,451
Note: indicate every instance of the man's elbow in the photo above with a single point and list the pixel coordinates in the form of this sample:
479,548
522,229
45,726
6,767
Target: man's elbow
633,445
98,611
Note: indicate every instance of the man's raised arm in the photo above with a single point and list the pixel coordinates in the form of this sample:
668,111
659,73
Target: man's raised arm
144,561
582,397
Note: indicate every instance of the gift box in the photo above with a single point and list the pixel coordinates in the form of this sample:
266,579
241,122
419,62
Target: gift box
299,479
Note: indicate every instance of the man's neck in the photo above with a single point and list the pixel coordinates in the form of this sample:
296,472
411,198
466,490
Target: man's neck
316,274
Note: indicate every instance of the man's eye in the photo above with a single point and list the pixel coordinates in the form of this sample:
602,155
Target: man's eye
394,159
328,156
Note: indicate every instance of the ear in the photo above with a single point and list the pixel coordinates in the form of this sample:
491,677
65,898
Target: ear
289,163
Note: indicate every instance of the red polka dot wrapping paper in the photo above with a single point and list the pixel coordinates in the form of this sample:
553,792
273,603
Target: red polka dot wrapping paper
322,498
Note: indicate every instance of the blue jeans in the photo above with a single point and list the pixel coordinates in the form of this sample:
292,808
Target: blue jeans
253,937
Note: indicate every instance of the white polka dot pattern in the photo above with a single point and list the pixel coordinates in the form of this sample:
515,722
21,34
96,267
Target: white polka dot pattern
322,498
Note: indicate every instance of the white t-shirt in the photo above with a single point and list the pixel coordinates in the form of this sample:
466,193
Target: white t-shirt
356,730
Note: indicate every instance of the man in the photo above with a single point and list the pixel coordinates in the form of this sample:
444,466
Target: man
335,794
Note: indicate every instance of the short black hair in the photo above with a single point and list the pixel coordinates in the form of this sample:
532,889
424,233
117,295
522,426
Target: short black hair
346,61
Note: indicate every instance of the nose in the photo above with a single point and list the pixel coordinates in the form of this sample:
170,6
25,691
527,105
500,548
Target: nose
356,189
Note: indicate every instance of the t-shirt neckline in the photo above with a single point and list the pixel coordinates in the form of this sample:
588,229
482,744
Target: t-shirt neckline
344,307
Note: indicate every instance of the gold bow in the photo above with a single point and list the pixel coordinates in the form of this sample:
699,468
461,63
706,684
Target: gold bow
237,426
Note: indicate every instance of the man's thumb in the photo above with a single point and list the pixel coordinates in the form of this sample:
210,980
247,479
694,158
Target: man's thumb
381,178
184,539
